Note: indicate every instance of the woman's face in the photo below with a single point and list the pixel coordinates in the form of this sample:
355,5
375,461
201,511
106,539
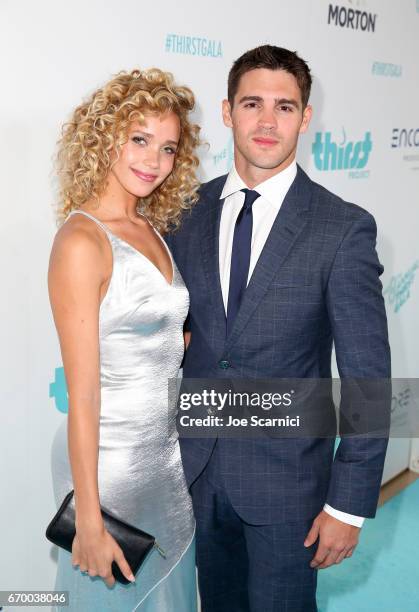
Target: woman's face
148,156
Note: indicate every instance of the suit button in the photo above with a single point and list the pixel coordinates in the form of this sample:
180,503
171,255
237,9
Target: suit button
224,364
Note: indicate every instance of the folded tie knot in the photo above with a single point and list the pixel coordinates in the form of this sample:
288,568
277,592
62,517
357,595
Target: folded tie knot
249,197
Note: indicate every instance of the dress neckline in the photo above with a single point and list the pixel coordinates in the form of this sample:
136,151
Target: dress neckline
139,253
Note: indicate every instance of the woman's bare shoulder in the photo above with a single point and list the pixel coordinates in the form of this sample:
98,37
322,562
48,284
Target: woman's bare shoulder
80,234
81,242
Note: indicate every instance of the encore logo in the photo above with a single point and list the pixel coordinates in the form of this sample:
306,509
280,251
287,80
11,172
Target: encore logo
406,140
344,17
404,137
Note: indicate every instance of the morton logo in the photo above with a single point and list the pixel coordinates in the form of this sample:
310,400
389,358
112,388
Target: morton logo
344,17
58,390
346,155
192,45
398,289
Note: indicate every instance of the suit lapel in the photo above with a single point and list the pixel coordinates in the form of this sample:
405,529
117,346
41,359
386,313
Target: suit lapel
288,225
210,230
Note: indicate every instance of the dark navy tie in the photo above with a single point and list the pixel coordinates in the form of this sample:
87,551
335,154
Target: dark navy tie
240,257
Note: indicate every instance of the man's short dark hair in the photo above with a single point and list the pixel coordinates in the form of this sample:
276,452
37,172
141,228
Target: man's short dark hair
272,58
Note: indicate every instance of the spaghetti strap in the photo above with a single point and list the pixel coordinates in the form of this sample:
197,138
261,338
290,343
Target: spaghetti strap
114,237
83,212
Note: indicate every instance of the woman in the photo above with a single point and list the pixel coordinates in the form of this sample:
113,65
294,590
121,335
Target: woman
126,166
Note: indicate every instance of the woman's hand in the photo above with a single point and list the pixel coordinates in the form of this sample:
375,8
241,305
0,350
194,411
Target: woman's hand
94,550
187,338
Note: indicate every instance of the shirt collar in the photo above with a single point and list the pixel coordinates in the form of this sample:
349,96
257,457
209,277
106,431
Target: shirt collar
273,189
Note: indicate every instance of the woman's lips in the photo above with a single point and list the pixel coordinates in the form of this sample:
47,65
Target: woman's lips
149,178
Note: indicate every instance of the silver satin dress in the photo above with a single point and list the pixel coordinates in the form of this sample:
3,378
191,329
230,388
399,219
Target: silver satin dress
140,473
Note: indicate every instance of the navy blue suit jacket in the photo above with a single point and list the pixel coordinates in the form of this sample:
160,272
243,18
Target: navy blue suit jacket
316,282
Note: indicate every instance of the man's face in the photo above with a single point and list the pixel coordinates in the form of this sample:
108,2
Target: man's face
267,118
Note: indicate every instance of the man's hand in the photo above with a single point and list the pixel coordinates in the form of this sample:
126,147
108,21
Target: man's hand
337,540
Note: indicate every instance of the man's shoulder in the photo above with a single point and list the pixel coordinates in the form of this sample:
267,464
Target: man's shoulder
207,193
212,188
333,207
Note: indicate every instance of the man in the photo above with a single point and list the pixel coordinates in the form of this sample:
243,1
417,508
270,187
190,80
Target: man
278,268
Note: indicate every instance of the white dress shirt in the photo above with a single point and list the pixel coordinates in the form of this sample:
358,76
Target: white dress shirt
265,208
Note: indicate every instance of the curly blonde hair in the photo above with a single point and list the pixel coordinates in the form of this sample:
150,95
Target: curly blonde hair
100,125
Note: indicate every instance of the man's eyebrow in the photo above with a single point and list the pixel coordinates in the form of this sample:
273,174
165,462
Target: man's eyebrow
289,101
251,99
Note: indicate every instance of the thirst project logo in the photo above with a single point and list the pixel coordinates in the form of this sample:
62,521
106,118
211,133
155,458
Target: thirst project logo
344,155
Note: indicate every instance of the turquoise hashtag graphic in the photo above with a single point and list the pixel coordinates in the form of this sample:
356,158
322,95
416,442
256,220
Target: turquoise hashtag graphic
169,42
58,390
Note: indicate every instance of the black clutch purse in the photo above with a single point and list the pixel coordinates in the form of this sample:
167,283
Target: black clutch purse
135,544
